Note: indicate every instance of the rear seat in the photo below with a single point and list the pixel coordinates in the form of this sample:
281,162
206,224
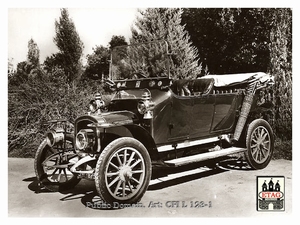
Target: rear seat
186,87
201,86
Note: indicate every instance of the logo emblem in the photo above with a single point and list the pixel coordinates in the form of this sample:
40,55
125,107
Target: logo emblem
270,193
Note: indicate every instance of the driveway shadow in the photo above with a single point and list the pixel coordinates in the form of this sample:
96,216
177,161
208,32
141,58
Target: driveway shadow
86,191
234,164
211,168
183,179
35,186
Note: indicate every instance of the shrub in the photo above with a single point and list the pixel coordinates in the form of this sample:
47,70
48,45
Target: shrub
38,100
283,149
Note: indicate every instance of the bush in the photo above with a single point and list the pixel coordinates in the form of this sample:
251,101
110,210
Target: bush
38,100
283,149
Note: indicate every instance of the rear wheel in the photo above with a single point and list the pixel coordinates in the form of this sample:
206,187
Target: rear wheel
123,171
260,144
52,165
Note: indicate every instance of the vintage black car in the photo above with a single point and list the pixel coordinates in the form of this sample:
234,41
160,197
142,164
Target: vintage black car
154,121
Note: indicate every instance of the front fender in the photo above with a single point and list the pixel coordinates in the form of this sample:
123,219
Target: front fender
120,124
131,130
141,134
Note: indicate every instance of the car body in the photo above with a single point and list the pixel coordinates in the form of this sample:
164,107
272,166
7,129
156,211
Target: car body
154,121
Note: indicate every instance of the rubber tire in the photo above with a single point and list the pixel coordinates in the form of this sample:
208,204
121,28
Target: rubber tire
249,158
39,171
102,162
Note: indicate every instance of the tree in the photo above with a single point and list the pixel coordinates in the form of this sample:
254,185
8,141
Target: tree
33,58
165,24
21,74
281,67
29,68
205,35
70,47
98,63
117,41
10,67
230,40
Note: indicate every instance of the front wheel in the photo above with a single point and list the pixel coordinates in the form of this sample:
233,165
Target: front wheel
123,171
260,144
52,165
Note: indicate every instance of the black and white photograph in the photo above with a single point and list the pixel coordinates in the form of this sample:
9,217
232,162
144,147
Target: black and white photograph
150,111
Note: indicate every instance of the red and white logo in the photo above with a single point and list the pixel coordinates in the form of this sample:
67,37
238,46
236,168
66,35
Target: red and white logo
270,193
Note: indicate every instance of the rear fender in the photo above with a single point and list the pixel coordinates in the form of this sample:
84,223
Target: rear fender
255,113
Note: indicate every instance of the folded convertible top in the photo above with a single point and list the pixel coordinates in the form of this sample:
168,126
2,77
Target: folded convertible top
236,79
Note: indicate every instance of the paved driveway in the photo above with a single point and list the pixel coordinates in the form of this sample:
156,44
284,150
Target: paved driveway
193,191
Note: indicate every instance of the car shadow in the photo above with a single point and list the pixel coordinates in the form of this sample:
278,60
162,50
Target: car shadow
206,169
35,186
234,164
85,190
164,181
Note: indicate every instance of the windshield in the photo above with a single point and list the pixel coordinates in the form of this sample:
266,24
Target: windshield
139,61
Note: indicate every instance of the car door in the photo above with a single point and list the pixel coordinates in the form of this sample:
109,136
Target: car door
202,115
181,112
225,111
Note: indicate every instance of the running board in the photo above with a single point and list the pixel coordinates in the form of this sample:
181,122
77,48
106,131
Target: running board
203,156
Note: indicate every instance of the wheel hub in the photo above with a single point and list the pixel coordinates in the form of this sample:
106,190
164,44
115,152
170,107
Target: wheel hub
125,173
260,143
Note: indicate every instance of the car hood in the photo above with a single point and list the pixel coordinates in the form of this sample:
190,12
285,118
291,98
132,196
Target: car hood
118,118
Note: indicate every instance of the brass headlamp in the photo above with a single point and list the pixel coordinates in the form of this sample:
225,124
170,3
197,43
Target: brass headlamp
145,105
96,104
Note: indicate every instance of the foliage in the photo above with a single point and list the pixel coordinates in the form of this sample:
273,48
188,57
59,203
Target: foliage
40,99
29,68
70,47
51,63
283,149
20,75
165,24
117,41
10,66
230,40
33,56
281,67
140,60
98,63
